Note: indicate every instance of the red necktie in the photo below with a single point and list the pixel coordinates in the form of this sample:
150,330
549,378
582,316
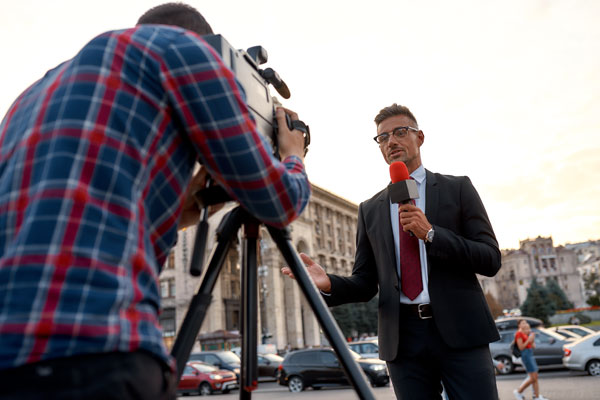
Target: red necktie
410,264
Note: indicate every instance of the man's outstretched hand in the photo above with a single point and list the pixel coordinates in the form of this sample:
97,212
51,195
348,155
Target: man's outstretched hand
315,271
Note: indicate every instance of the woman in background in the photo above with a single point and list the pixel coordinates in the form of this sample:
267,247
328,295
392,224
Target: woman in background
525,339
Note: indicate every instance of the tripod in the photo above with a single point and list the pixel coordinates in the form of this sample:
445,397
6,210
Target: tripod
226,235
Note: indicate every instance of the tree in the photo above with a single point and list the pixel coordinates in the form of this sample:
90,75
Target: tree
557,296
591,282
356,317
495,307
536,304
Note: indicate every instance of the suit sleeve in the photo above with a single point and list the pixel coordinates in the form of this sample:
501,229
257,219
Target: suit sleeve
473,245
362,285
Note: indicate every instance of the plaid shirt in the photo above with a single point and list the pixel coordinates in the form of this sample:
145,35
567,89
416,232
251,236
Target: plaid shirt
94,161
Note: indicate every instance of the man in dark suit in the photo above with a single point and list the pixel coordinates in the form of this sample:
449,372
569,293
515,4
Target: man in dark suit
434,322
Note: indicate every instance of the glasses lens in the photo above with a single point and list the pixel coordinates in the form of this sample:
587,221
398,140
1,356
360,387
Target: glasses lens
401,131
382,138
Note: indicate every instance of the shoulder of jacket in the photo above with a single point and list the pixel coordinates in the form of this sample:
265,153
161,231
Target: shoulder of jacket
377,197
449,178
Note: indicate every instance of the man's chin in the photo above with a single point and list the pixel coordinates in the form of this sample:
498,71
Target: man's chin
396,158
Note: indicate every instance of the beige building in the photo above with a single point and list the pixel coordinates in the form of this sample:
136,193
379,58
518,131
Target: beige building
325,231
535,259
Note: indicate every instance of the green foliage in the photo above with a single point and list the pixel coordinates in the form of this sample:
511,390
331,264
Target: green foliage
591,283
536,304
543,301
557,296
593,300
357,318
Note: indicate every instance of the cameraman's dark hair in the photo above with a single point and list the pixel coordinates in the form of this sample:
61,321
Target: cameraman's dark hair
392,111
177,14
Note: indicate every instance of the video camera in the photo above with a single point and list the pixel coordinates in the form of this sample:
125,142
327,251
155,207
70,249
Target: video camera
256,81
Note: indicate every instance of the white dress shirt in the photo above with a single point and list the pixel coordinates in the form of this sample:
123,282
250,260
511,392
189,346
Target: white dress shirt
419,176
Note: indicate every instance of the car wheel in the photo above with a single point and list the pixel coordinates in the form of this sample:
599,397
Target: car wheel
508,365
593,367
225,391
205,389
296,384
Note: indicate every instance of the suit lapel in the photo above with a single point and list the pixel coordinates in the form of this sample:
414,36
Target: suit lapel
387,243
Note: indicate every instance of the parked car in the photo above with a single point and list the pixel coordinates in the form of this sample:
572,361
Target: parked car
268,366
366,348
547,353
584,354
260,349
204,379
320,367
220,359
503,323
574,331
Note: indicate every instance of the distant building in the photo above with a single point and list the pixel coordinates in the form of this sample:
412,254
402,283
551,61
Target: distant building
325,231
535,259
588,255
585,250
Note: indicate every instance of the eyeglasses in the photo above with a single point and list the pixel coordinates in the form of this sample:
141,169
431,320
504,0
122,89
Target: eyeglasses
398,133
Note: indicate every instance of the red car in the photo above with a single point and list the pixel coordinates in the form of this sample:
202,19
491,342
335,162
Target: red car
205,379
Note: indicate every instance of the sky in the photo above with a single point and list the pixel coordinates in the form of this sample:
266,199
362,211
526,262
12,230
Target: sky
507,93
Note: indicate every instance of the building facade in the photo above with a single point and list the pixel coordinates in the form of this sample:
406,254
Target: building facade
535,259
325,231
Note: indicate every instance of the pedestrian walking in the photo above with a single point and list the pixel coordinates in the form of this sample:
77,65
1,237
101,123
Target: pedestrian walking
525,340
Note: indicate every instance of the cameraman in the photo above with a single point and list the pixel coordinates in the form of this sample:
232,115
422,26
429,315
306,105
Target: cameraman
95,162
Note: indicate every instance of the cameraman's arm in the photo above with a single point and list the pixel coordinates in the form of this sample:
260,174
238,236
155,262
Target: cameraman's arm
211,107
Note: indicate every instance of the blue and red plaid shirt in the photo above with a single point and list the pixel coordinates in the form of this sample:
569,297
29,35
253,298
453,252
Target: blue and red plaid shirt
95,158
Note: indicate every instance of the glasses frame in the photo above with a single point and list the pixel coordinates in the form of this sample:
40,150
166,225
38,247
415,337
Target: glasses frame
385,136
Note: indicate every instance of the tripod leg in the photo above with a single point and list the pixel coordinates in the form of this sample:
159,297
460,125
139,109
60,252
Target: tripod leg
249,295
194,317
353,372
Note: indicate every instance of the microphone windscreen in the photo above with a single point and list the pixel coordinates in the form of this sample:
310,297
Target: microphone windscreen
398,171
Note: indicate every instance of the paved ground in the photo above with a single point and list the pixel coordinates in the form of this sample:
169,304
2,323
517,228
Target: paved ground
554,384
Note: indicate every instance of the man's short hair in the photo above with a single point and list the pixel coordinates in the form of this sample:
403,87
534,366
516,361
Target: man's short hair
392,111
177,14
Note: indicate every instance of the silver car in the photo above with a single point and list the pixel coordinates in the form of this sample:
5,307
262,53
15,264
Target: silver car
366,348
583,354
547,353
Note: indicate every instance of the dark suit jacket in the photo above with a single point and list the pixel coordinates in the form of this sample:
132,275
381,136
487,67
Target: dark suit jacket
464,245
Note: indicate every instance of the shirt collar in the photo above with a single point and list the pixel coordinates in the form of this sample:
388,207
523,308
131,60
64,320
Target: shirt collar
419,174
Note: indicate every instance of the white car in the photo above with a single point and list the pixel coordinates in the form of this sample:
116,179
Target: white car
366,348
583,354
574,331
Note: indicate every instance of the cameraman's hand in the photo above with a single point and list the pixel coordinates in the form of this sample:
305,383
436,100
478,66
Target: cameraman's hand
190,215
291,143
315,271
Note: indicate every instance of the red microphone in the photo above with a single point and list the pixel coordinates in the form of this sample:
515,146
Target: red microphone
402,189
398,171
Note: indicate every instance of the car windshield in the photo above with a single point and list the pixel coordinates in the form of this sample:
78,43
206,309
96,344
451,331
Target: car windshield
555,335
229,357
578,331
204,367
273,357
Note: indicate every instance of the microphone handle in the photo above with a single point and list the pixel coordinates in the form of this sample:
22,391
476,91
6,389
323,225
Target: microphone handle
408,202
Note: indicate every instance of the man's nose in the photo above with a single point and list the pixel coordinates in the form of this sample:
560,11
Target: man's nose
393,139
